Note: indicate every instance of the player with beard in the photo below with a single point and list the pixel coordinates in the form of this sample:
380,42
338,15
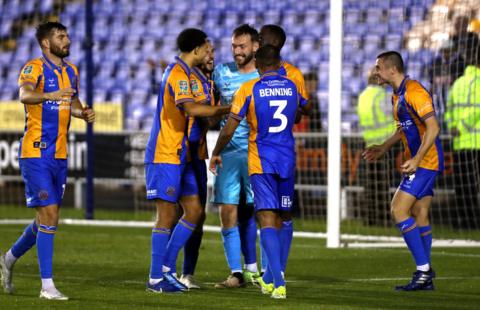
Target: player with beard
232,178
49,90
202,90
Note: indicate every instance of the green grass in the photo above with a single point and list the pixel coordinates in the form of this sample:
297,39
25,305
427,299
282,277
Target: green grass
314,225
106,268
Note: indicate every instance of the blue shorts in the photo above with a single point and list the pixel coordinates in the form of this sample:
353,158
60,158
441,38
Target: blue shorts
45,180
419,184
272,192
169,182
231,179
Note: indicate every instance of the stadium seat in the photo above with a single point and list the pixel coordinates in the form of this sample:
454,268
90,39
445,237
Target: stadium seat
371,43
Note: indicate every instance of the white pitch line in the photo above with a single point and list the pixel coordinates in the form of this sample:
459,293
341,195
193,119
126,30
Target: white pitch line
388,242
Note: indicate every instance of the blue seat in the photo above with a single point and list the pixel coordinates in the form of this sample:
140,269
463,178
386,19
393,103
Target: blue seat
374,16
352,16
371,43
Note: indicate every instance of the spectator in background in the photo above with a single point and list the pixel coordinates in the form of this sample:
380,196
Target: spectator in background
376,122
463,120
154,84
463,39
442,72
311,84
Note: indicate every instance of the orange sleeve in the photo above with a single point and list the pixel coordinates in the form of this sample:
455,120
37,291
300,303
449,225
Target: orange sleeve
420,100
198,91
30,74
239,106
180,86
297,77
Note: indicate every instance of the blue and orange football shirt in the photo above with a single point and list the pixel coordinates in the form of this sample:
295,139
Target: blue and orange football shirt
202,90
47,123
167,141
293,73
270,104
412,105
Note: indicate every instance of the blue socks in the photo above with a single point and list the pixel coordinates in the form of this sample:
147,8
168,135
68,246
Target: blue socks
160,238
286,236
248,238
231,245
271,245
26,240
411,235
191,251
180,236
426,235
45,237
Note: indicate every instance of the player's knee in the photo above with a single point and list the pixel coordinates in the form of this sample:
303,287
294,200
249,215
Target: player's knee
193,214
228,216
48,215
267,218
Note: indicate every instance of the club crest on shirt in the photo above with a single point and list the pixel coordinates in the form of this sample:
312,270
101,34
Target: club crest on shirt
194,85
28,69
183,86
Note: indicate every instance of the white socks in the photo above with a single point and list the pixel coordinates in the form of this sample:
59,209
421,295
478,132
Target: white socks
424,268
47,284
251,267
10,259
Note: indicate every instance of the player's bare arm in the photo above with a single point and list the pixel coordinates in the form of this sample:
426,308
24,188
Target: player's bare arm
82,112
224,137
201,110
431,132
28,95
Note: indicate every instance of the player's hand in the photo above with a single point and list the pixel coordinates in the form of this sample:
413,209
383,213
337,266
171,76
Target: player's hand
373,152
88,115
214,162
410,166
64,94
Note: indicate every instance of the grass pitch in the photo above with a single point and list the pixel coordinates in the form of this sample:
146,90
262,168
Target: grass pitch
106,268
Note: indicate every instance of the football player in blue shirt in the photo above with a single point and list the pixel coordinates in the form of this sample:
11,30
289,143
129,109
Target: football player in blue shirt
270,104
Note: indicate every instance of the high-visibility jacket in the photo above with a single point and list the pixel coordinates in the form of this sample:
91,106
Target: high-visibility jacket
463,110
376,124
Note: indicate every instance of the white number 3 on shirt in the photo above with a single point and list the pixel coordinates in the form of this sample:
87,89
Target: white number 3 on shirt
280,104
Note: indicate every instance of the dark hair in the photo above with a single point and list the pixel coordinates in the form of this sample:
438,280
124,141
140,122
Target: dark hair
472,51
394,59
44,30
276,34
246,29
267,56
190,38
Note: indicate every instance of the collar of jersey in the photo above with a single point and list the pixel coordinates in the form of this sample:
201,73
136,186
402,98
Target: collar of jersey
185,67
200,74
270,73
401,88
51,64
